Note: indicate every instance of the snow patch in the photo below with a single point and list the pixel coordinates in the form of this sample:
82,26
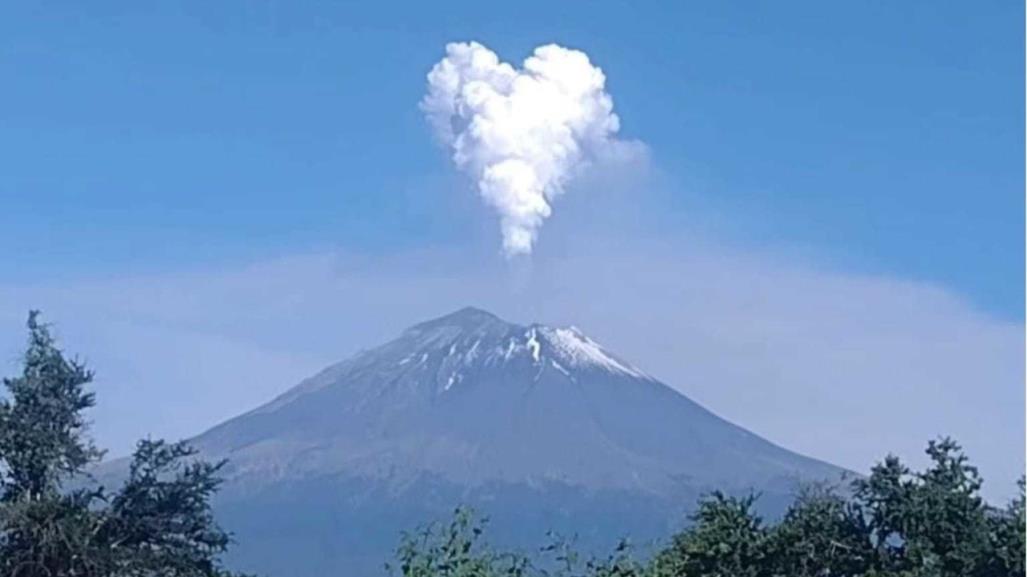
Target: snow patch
534,345
577,350
560,368
473,353
511,348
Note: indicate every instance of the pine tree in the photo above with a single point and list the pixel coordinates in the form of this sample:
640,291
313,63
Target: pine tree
158,524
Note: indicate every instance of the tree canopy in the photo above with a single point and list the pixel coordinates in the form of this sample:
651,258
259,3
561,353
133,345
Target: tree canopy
893,523
53,522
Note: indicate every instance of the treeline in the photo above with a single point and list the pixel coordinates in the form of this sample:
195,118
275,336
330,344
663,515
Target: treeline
894,523
159,522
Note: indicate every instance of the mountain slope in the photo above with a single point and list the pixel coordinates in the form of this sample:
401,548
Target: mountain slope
539,426
471,398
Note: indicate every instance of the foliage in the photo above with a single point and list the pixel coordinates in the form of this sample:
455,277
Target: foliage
892,523
821,534
1007,536
41,424
727,539
158,524
932,522
455,550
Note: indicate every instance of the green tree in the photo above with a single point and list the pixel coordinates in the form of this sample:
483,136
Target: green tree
161,519
883,500
727,540
44,530
1008,536
458,549
621,563
455,549
159,524
821,534
42,439
934,522
893,523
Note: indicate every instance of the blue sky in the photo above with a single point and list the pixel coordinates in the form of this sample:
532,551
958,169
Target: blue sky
884,137
213,200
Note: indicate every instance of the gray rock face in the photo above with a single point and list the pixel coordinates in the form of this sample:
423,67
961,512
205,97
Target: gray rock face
540,427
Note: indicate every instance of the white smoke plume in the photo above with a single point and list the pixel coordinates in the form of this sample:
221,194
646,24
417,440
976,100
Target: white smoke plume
520,134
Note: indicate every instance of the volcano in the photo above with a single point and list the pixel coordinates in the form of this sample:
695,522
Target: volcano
538,427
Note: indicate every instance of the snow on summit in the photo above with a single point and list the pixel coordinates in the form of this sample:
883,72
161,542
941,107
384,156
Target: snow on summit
577,350
472,337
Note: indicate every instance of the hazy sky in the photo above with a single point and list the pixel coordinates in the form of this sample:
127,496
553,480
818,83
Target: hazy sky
823,242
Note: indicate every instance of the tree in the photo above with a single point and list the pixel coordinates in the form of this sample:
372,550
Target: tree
727,540
455,550
1008,536
893,523
44,531
929,523
161,518
158,524
820,535
883,500
42,438
458,549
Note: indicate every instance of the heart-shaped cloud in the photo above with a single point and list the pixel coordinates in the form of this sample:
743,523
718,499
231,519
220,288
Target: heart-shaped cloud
521,134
